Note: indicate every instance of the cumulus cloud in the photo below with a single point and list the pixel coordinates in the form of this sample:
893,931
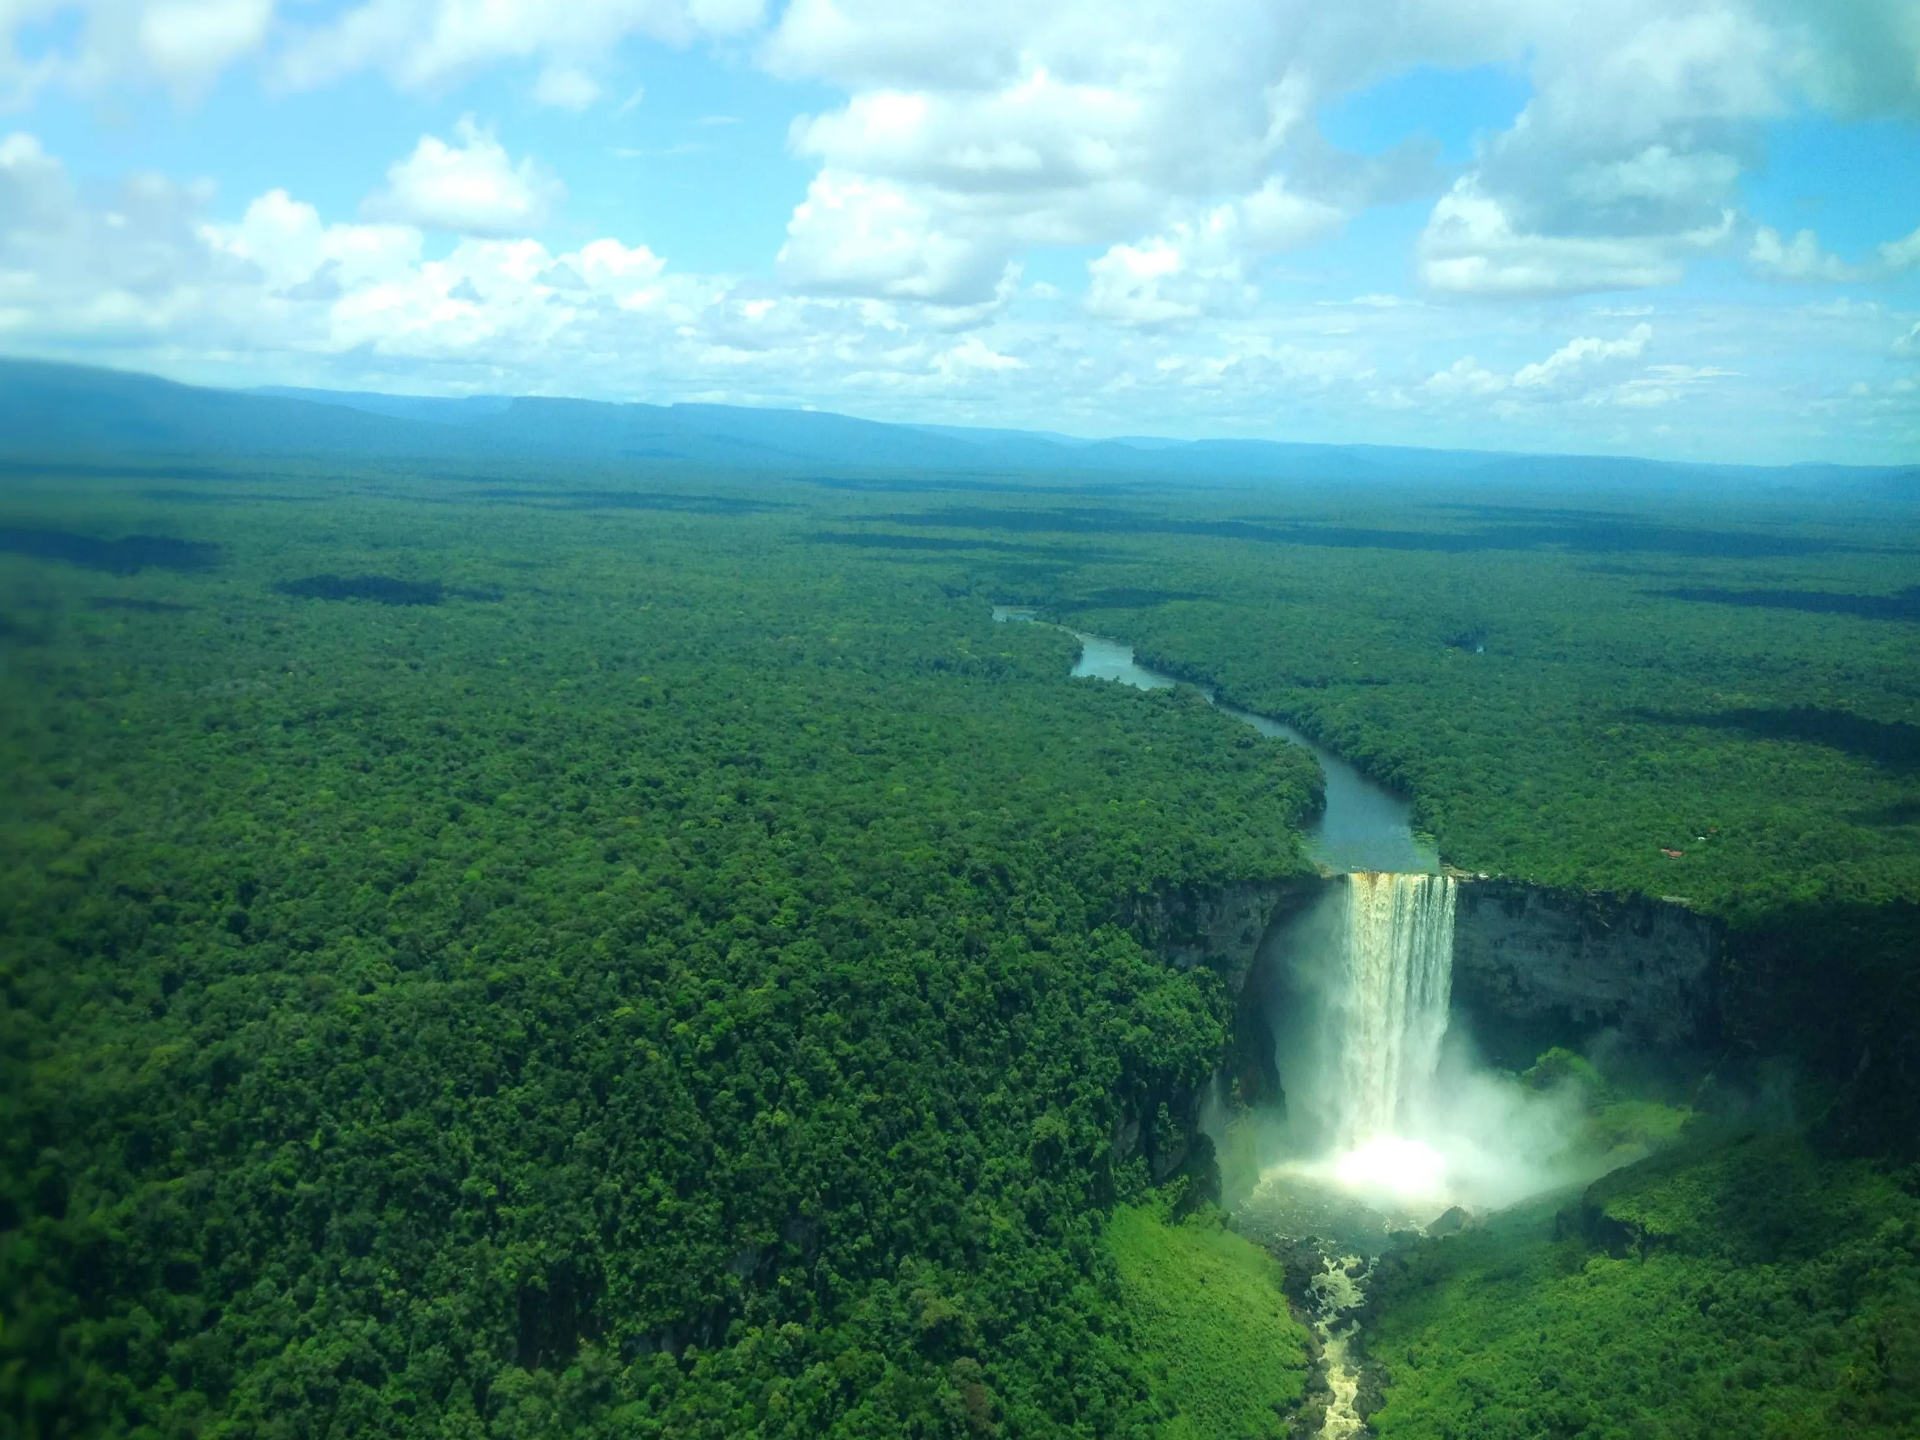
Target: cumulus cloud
1626,161
972,133
1576,362
1587,370
122,269
1903,254
423,43
860,236
95,46
1009,125
1465,377
189,42
1201,267
566,87
1799,259
1472,246
473,187
1164,280
142,274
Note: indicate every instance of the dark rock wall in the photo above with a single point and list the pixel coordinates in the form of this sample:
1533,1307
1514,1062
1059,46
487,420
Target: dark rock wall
1221,927
1835,987
1532,966
1570,962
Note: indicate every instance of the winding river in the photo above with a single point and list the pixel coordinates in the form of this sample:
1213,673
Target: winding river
1365,826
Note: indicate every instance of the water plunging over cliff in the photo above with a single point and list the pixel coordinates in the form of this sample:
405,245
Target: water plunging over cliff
1391,1011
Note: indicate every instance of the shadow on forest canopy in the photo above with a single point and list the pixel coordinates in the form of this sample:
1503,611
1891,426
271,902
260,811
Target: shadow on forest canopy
126,556
1571,531
629,500
1905,605
1892,743
1901,812
893,486
383,589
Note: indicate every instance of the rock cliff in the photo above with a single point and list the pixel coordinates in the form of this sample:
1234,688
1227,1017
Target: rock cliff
1572,962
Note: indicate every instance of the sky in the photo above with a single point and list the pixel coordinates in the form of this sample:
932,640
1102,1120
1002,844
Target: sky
1680,228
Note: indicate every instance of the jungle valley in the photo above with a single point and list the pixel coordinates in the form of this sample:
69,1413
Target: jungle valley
623,945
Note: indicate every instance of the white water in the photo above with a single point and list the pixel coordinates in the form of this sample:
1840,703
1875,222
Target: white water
1361,1045
1391,1011
1384,1104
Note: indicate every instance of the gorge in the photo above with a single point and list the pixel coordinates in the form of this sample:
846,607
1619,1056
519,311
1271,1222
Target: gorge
1355,1104
1349,986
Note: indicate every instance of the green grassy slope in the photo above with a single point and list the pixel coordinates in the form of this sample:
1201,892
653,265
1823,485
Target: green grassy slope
1224,1356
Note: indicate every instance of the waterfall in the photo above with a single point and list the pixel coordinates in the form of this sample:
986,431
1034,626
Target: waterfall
1389,1010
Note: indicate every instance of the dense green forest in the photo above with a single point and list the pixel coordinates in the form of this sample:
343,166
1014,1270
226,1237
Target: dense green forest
1740,1286
667,983
540,953
1566,694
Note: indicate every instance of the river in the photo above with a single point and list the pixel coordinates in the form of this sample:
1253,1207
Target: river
1364,825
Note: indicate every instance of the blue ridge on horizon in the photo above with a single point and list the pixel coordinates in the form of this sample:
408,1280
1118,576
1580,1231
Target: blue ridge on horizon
49,409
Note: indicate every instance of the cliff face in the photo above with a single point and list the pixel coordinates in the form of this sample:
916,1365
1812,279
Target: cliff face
1567,961
1531,966
1221,927
1834,986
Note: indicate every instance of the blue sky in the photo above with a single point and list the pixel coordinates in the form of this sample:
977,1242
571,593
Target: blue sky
1680,229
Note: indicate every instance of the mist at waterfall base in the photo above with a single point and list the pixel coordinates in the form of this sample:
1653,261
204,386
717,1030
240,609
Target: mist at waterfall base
1387,1101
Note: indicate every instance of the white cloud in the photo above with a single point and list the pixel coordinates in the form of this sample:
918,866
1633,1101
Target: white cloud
1908,345
474,188
139,275
973,353
1576,362
1465,377
291,247
854,235
1655,174
1274,219
1626,162
1201,267
99,46
1011,125
1799,259
1471,246
189,42
1585,371
1163,281
1008,126
1902,254
422,43
566,87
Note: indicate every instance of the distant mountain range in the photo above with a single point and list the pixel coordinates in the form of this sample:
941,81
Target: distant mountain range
79,414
